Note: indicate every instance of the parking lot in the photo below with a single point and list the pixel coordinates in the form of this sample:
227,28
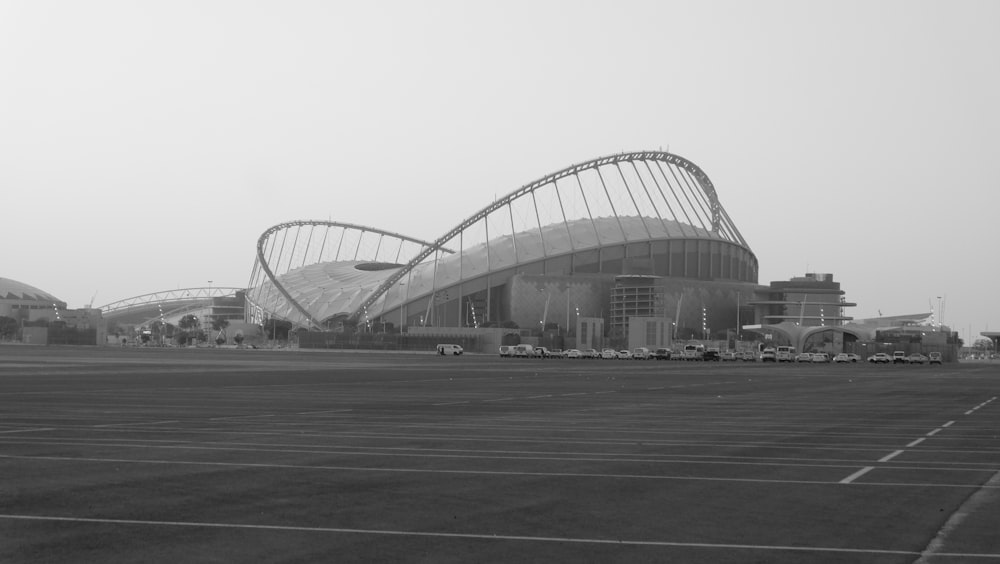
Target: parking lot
163,455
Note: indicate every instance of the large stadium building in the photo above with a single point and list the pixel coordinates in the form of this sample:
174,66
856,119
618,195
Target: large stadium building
572,248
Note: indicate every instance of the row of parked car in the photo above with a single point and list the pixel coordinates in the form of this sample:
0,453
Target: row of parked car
900,357
698,353
640,353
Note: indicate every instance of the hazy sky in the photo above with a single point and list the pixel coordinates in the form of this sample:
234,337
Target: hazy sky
145,146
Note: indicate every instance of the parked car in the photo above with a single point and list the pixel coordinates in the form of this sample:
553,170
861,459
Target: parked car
573,353
661,354
556,353
916,358
749,356
934,358
609,353
449,349
899,357
854,357
711,354
589,353
640,353
880,358
841,357
820,357
803,357
506,350
624,354
768,355
729,356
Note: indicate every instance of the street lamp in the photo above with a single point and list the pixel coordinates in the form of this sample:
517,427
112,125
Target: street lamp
704,322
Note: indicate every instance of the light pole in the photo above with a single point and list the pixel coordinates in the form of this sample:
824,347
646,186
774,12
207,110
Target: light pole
738,296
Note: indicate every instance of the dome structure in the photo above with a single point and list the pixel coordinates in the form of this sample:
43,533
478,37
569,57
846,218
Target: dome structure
16,296
647,213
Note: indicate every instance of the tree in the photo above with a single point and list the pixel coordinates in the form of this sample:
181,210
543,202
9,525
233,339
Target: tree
189,322
8,327
983,344
219,325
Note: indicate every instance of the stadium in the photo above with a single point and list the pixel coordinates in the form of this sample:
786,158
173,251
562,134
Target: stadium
578,253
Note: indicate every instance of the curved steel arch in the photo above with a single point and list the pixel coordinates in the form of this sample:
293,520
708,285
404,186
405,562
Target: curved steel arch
263,262
718,213
169,296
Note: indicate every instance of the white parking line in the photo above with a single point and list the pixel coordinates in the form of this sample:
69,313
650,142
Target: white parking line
934,432
136,423
494,536
948,424
890,456
916,442
33,430
857,474
452,403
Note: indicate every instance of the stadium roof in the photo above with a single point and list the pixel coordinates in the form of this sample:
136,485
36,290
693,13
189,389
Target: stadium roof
12,290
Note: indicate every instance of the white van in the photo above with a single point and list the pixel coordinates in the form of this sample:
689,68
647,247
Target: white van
525,351
449,349
640,353
694,352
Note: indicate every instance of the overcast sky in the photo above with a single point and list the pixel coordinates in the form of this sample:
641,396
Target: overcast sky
145,146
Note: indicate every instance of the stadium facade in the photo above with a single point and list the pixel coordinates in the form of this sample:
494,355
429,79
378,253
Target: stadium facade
547,254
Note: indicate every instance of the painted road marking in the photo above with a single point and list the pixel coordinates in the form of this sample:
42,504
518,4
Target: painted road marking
540,397
916,442
857,474
33,430
498,399
948,424
137,423
890,456
370,469
493,536
934,432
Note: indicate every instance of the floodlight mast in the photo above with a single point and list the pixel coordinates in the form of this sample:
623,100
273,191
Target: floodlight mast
718,214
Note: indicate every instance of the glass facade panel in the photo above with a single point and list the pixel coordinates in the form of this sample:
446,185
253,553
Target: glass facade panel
677,258
661,258
587,262
704,261
611,260
559,265
716,251
637,250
